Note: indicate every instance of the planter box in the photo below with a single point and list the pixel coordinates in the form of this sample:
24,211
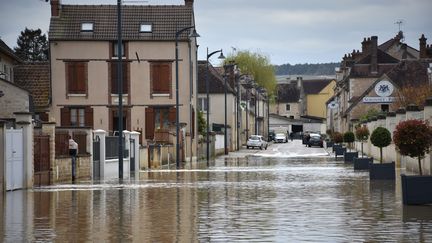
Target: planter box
336,146
339,151
349,156
362,163
416,213
329,144
385,171
416,189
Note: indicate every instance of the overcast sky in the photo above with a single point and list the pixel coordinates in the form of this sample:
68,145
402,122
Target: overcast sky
288,31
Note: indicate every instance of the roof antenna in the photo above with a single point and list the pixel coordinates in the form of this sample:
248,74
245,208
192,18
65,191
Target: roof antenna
400,22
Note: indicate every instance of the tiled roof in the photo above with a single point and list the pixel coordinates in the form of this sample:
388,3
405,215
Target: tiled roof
216,81
288,93
36,79
8,51
382,58
409,72
165,20
315,86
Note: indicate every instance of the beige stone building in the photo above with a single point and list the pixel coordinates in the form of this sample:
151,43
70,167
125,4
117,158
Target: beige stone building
83,53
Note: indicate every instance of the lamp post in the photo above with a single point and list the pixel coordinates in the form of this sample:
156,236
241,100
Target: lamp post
120,89
225,122
221,56
194,34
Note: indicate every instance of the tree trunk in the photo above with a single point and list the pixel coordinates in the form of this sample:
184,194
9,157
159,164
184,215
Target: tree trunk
380,155
362,148
420,167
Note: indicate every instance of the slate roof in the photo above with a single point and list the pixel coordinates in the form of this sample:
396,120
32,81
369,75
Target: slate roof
4,48
315,86
288,93
35,78
382,58
165,20
216,81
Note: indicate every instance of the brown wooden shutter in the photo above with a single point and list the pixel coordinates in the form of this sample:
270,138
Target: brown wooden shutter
65,117
88,118
80,77
165,77
172,115
43,116
155,77
149,123
125,78
114,78
70,77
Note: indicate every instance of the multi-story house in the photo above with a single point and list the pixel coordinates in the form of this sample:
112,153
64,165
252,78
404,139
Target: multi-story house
369,80
84,54
217,101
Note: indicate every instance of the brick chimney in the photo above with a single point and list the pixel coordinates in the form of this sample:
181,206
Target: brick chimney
423,46
404,48
365,46
189,3
374,54
55,8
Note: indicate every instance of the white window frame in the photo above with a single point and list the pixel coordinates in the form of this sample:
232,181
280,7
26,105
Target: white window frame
288,106
87,26
202,104
146,28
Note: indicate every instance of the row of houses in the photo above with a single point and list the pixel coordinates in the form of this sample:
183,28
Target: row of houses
372,79
77,87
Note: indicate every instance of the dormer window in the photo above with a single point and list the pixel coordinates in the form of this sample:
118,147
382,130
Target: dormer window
87,27
146,28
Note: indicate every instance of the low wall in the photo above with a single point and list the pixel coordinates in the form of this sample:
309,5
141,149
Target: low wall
390,152
62,169
144,161
112,168
161,156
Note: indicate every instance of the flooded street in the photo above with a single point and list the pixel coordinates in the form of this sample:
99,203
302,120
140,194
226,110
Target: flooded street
250,196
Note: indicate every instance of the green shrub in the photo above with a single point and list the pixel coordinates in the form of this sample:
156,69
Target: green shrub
380,138
362,134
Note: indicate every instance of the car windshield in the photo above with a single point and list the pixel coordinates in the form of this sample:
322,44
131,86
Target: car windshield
254,138
280,135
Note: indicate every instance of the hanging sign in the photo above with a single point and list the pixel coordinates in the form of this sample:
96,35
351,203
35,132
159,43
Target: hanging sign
384,88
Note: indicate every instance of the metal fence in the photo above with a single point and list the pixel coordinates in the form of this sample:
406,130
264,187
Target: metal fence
111,148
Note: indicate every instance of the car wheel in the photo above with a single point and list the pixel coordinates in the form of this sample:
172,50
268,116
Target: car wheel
266,147
261,147
247,147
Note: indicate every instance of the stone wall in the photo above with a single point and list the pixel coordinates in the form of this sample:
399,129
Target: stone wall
63,168
14,99
390,152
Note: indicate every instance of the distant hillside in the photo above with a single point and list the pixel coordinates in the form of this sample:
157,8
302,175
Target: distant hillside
307,69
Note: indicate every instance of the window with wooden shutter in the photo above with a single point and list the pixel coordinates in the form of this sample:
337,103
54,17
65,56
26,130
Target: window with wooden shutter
88,117
160,77
172,115
65,117
76,77
149,123
114,82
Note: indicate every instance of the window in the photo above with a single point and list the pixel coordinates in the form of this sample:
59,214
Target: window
115,49
146,27
76,116
158,118
287,107
114,82
385,108
202,104
160,78
87,27
76,77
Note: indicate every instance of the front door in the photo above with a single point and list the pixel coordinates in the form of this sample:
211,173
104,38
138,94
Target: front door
14,159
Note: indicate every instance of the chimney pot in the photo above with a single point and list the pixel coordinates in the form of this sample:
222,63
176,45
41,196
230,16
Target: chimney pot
423,47
55,8
189,3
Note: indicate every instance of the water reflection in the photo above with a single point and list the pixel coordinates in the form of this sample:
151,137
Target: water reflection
251,199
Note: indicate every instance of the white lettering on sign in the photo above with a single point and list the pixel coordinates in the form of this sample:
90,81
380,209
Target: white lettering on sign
378,99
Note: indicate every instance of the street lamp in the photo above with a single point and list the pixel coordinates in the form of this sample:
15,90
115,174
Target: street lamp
194,34
221,56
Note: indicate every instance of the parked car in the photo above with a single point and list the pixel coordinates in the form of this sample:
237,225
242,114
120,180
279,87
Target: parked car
315,140
280,138
256,141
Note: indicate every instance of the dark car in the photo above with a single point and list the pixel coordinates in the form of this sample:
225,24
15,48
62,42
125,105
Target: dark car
271,136
315,140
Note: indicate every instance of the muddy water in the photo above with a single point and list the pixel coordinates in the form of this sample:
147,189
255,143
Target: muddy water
251,199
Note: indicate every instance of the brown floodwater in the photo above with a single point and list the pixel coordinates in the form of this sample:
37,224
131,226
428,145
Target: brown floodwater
250,199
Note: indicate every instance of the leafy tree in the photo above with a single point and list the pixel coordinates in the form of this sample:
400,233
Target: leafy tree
413,138
348,137
257,65
306,69
32,46
337,137
381,137
201,124
410,94
362,134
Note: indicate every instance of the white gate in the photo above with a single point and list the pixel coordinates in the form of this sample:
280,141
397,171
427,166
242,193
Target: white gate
14,159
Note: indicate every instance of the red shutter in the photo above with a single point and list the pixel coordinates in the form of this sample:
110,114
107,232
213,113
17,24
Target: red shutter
149,123
114,78
172,115
65,117
88,118
80,77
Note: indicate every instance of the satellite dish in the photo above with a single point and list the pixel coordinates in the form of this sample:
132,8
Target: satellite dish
333,105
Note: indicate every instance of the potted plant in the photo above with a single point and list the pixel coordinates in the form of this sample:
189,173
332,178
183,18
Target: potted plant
348,137
329,140
362,134
337,147
414,138
381,138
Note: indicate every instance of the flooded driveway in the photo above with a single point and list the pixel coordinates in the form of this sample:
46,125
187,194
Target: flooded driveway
250,196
